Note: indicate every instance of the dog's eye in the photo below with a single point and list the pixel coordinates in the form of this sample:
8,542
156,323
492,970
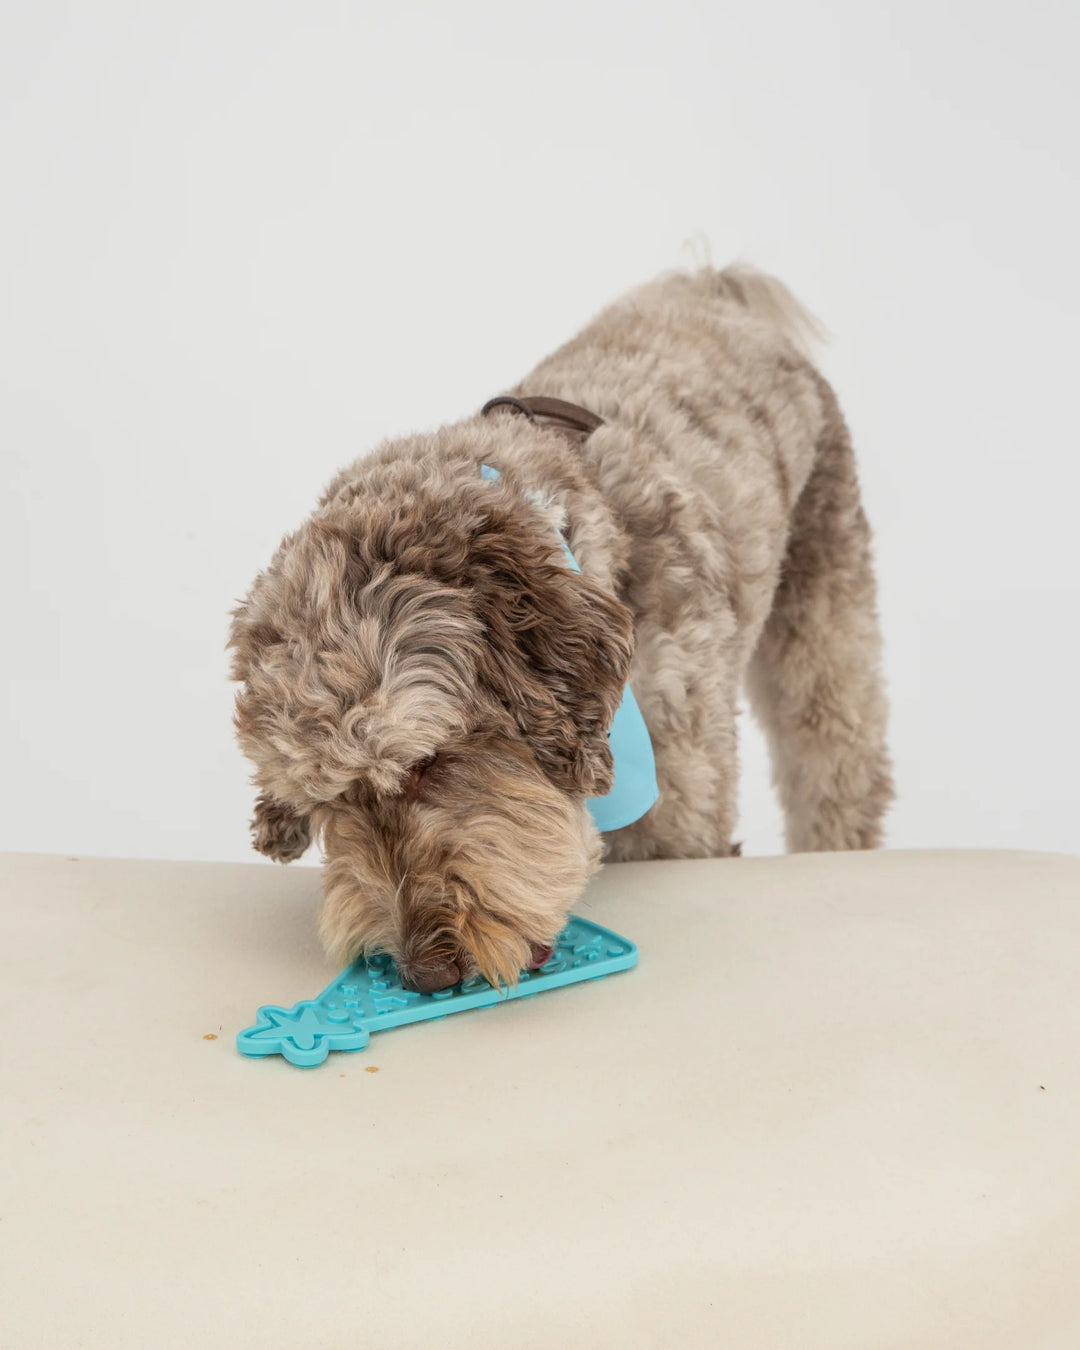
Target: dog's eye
357,794
418,772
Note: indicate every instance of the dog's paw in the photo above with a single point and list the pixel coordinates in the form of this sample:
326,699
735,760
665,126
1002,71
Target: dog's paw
279,832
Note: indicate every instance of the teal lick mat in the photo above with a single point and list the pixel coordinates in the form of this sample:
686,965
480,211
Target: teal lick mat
369,997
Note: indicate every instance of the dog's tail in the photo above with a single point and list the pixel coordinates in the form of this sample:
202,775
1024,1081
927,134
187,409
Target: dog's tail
770,300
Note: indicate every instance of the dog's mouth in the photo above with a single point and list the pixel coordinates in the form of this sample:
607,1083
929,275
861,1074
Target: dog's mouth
435,976
539,955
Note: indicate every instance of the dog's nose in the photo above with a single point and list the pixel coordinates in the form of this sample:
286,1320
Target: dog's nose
431,978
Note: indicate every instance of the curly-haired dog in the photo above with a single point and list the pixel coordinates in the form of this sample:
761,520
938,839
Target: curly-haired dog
429,686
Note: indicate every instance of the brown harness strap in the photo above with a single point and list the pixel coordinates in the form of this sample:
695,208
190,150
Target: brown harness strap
552,412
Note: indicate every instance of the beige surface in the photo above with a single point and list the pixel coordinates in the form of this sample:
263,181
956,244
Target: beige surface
837,1105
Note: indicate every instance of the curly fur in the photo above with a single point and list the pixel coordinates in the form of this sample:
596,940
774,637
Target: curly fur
428,687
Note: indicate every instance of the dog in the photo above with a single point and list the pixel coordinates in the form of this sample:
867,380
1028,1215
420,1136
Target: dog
431,665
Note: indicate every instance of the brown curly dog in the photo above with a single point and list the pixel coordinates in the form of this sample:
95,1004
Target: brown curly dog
429,686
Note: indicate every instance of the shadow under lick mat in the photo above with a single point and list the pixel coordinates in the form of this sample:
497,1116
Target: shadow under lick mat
369,997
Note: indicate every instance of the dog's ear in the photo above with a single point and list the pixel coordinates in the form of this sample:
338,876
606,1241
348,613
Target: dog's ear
279,831
558,650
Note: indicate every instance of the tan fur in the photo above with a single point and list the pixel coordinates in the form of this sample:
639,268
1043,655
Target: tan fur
428,687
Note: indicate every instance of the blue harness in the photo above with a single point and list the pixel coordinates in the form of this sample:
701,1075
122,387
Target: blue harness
634,790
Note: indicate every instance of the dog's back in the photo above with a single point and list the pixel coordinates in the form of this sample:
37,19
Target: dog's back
727,462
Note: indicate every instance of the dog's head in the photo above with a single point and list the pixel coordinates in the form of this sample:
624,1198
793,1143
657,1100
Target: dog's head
427,685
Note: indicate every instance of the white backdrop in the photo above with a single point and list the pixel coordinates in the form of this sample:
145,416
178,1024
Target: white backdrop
241,242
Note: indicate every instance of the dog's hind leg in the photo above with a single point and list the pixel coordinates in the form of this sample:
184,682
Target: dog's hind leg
814,679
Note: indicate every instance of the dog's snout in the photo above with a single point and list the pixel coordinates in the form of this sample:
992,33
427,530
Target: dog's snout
431,978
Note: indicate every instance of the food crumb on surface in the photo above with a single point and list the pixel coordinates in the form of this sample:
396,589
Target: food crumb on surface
371,1068
210,1036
